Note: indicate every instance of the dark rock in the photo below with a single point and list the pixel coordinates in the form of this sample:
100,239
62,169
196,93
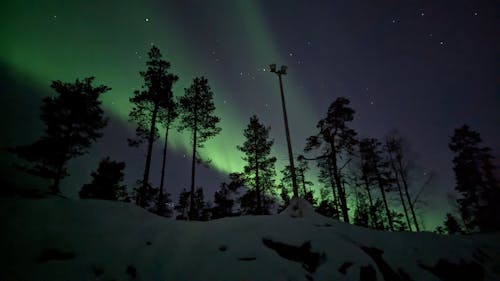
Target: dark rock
55,254
247,258
222,248
310,260
343,268
131,271
463,271
367,273
387,272
149,243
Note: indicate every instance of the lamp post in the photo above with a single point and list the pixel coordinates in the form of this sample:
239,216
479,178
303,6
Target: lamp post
281,72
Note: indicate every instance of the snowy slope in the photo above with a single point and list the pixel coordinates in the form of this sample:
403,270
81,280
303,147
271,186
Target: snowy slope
62,239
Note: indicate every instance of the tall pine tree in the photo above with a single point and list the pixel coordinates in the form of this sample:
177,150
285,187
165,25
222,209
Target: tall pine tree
473,167
259,170
399,165
168,114
155,95
197,115
376,167
335,139
73,121
106,182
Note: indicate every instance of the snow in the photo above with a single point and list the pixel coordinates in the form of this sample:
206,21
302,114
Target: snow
106,237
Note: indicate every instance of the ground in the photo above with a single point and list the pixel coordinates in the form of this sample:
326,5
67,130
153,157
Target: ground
66,239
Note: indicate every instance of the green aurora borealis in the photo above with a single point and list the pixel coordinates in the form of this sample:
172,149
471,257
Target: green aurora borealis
399,68
65,41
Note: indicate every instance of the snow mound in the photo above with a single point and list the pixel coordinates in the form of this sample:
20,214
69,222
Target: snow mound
299,208
62,239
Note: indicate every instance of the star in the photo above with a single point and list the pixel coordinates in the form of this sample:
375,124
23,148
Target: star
393,21
291,54
224,101
475,14
146,19
308,42
441,43
56,16
422,14
430,34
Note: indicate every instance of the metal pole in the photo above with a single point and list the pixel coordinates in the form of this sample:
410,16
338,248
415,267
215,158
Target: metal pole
287,130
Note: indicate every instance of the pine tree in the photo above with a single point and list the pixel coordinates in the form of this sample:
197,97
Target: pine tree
397,159
326,178
259,170
197,115
106,182
223,203
182,206
362,214
451,225
201,209
480,191
73,121
285,197
167,116
335,139
300,169
155,96
376,167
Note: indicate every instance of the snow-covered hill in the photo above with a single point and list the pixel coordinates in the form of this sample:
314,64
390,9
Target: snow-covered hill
63,239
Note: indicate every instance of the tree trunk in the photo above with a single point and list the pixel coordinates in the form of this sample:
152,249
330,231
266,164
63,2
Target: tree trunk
303,182
388,212
57,180
141,198
408,198
370,200
193,165
338,183
257,184
332,183
398,183
163,165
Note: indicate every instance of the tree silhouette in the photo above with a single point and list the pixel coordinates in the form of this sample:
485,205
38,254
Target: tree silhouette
375,167
167,116
300,169
285,197
73,121
155,95
259,170
106,182
397,158
197,115
335,139
480,191
183,205
451,224
223,203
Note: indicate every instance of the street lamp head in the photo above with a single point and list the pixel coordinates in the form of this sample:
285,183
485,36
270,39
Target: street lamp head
272,67
283,69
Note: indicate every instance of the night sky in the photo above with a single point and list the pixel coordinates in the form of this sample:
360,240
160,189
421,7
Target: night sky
422,67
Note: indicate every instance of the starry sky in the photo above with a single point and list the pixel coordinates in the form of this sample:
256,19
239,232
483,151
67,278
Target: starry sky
422,67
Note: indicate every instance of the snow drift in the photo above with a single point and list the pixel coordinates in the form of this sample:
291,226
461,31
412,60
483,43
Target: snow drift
63,239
